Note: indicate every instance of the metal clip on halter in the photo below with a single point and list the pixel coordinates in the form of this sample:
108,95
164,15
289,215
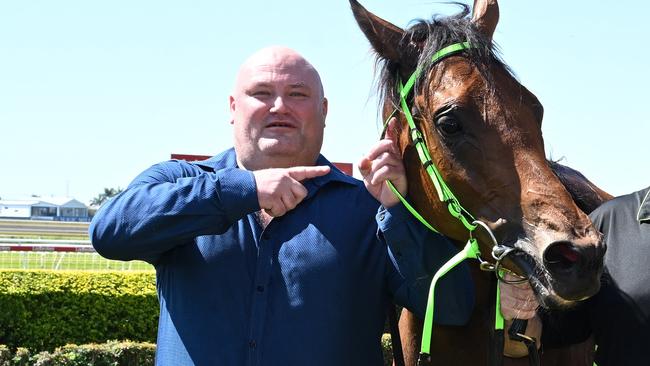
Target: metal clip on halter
424,359
517,333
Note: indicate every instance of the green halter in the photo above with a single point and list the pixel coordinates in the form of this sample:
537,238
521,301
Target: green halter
444,193
471,249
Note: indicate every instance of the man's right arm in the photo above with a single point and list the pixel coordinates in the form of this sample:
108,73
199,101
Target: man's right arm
170,204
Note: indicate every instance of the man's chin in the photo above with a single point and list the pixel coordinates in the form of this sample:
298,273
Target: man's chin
279,151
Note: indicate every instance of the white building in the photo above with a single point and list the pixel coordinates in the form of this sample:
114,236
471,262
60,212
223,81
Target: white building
45,208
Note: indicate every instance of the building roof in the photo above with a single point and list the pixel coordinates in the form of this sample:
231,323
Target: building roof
18,202
45,202
63,202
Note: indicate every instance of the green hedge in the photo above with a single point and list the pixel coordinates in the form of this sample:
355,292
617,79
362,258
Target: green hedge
107,354
41,310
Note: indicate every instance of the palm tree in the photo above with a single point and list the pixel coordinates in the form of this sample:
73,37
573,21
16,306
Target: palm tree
104,196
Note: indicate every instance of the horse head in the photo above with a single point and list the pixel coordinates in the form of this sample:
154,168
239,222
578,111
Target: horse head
482,129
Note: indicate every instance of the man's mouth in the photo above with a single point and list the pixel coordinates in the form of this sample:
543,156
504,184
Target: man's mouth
280,124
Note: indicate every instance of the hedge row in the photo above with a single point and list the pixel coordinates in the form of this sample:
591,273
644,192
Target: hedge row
41,310
107,354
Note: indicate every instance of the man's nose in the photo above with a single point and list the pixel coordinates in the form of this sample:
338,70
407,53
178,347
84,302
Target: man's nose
278,105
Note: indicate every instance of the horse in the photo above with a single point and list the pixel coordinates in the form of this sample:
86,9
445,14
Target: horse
480,129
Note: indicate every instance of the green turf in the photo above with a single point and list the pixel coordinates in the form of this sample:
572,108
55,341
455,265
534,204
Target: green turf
66,261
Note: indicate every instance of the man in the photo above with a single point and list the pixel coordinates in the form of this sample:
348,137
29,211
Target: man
618,315
266,254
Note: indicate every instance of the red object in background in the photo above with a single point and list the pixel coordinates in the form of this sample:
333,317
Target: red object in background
188,157
344,167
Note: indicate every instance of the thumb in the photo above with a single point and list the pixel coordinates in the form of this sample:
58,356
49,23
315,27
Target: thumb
306,172
364,166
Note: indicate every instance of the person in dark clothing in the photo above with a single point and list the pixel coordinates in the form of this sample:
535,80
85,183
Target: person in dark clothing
618,315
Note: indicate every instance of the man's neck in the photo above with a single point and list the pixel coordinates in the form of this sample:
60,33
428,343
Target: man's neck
263,218
270,163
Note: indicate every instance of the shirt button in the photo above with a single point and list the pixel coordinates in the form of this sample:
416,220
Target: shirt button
260,288
252,344
381,216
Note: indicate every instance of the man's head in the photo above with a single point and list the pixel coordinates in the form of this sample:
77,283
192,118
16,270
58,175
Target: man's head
278,110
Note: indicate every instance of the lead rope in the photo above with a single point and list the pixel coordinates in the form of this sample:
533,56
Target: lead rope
471,249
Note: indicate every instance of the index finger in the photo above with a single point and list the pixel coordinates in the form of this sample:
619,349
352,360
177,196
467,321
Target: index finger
306,172
391,129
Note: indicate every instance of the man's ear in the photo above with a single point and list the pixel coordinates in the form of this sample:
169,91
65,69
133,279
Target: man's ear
231,103
325,105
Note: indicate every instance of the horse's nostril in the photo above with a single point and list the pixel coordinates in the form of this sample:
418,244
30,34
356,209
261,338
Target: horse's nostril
561,255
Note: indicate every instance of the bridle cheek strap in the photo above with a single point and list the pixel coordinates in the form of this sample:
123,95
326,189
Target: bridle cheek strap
471,249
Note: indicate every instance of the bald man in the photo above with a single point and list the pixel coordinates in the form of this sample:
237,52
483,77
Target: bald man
267,254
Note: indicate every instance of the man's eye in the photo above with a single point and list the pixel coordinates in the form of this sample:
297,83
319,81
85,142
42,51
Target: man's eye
260,93
298,94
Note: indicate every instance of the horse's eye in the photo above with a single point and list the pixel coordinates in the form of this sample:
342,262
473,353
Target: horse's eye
448,125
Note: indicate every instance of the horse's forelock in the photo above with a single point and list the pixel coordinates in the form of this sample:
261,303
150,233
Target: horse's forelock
431,36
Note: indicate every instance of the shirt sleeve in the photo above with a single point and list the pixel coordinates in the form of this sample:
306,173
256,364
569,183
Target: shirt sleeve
416,254
169,204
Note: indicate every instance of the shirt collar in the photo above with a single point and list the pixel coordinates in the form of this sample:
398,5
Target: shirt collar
228,159
644,207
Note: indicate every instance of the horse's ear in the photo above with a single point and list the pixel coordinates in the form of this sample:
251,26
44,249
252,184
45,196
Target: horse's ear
383,36
485,16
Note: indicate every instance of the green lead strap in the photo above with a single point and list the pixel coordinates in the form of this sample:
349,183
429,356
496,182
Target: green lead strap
470,250
498,317
410,208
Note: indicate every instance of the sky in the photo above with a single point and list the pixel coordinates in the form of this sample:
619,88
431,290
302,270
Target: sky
94,92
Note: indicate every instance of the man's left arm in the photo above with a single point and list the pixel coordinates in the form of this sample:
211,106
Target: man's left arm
416,254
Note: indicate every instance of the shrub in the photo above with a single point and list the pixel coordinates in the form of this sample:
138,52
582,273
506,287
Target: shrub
387,349
5,355
112,353
42,310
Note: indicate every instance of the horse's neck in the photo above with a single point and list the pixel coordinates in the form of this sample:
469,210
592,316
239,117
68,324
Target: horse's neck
586,195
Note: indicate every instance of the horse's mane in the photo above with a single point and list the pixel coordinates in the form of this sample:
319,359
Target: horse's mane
424,38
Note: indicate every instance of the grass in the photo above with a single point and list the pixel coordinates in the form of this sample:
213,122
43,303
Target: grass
66,261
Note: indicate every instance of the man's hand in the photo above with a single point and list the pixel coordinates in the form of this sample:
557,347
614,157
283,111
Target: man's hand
280,190
383,163
518,302
517,299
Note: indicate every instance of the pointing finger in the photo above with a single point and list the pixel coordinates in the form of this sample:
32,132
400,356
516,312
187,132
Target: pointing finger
306,172
391,130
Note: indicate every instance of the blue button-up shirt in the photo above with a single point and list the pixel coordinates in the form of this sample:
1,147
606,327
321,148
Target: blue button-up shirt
309,289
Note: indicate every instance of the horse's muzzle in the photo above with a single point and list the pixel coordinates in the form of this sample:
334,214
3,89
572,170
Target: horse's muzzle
574,270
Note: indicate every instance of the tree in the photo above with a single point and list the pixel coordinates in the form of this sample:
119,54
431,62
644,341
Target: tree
104,196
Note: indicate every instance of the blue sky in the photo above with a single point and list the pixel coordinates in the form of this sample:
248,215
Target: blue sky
93,92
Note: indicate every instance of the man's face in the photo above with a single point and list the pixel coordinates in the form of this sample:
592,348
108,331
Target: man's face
278,111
